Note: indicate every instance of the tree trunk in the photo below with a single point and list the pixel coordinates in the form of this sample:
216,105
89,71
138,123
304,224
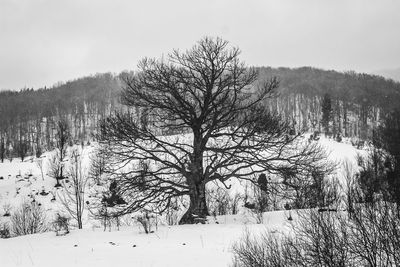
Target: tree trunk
2,148
345,125
198,210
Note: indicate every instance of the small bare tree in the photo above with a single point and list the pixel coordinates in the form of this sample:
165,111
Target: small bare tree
264,251
73,195
39,163
260,203
172,212
313,190
369,236
61,225
29,218
218,201
56,164
97,167
259,196
235,202
146,220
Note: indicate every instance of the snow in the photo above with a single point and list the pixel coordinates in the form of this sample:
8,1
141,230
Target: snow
187,245
341,152
23,177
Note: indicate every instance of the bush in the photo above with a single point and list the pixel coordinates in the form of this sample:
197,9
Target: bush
234,203
172,213
29,218
321,239
218,201
146,220
7,210
369,236
5,230
261,203
221,202
264,251
61,225
375,234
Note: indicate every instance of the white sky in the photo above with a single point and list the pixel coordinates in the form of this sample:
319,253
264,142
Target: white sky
46,41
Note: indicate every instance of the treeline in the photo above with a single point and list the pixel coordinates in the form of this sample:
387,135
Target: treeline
357,102
28,118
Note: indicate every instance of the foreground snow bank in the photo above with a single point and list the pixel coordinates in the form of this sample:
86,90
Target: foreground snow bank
184,245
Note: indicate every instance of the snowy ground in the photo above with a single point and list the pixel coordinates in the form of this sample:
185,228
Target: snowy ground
189,245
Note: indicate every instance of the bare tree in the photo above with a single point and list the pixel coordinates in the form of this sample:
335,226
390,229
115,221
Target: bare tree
236,199
39,163
29,218
97,166
368,236
73,195
218,201
57,161
259,251
62,136
208,93
172,212
106,205
61,225
146,220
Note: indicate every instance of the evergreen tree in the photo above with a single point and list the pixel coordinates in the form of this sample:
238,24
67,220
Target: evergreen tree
326,107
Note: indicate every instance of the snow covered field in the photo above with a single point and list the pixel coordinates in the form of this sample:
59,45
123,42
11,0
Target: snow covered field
187,245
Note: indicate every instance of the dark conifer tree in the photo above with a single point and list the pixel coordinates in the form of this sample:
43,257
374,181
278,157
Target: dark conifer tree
326,107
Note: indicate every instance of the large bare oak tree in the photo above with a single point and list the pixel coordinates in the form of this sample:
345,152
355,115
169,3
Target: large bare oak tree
203,118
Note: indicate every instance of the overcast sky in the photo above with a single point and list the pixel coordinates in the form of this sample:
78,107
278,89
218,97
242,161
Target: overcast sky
46,41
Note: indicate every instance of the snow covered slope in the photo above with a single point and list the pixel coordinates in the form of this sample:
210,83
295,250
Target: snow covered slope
22,181
188,245
185,245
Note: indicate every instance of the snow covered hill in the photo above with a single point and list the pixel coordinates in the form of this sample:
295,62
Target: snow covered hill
187,245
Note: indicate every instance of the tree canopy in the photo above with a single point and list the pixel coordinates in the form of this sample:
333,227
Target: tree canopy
214,105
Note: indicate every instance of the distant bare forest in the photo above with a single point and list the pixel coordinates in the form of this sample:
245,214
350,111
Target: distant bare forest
353,105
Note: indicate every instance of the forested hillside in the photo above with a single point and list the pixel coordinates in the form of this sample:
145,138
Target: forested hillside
354,103
28,118
350,103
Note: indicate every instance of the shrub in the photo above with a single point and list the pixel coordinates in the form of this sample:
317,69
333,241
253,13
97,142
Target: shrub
261,203
5,230
146,220
234,203
218,201
321,239
374,230
257,198
221,202
7,210
172,212
61,225
264,251
29,218
369,236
